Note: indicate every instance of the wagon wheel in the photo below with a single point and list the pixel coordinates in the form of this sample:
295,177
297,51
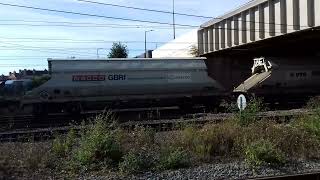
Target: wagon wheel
44,95
74,108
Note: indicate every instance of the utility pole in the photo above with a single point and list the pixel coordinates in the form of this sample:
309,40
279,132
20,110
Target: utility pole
98,52
145,43
173,21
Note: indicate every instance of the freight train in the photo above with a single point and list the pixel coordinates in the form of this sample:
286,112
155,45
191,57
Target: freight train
283,80
83,85
79,85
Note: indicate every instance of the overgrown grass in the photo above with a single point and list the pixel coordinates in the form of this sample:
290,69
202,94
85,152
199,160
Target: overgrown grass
249,115
98,145
137,161
140,151
62,146
173,158
102,145
263,152
18,159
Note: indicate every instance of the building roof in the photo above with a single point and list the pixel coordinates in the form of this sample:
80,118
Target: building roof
180,47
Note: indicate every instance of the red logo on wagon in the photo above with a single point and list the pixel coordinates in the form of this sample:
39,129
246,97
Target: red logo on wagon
88,78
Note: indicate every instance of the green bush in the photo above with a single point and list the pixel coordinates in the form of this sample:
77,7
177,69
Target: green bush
295,142
174,159
136,162
131,164
210,141
310,123
263,152
141,150
197,142
62,146
313,103
249,115
98,144
139,138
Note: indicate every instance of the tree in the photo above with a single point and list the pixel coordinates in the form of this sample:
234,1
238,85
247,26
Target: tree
118,50
194,51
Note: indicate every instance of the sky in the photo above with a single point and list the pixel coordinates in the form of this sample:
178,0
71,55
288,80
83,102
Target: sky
29,36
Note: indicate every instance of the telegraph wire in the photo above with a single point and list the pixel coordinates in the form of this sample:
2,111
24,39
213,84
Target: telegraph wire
26,39
169,12
138,27
129,27
145,9
96,49
89,24
41,49
69,22
92,15
119,26
134,20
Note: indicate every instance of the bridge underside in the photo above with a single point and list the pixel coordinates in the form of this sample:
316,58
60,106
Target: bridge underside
269,28
300,43
232,66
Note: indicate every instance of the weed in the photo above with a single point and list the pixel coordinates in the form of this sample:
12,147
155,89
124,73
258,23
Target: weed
313,103
249,115
98,144
209,141
136,162
295,142
174,159
140,149
310,123
62,146
139,138
263,152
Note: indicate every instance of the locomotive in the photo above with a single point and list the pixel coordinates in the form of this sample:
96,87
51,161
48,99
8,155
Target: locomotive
79,85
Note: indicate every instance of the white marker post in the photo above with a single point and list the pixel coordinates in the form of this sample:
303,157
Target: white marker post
242,102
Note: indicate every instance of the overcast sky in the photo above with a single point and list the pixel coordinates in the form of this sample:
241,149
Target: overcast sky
26,41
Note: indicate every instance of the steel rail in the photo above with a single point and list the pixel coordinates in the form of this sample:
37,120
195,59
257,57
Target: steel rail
309,176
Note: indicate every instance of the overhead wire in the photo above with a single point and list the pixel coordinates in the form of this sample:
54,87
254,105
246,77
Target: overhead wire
136,20
84,24
88,26
92,15
169,12
17,49
41,49
68,40
125,27
145,9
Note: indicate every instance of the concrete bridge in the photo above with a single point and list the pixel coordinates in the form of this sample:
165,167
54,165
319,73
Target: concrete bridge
277,28
257,21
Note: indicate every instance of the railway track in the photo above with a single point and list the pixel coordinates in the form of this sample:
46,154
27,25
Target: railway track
16,122
309,176
159,125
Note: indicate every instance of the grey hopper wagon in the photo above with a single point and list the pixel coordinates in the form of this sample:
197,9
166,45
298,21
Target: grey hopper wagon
283,78
125,81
